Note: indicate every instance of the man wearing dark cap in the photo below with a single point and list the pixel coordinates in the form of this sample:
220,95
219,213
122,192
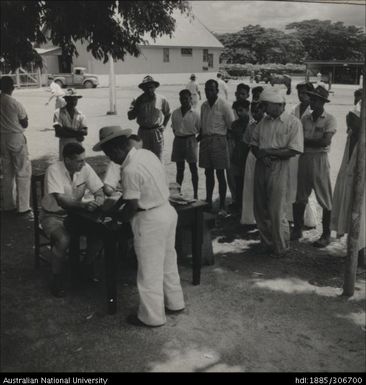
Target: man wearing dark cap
16,166
152,113
69,123
313,174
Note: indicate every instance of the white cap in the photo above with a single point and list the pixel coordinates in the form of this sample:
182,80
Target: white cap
272,95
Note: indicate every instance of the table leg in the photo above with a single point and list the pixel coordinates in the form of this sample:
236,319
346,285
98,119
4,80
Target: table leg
197,240
110,258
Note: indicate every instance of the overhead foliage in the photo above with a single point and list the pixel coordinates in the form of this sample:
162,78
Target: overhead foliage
256,44
107,27
324,40
309,39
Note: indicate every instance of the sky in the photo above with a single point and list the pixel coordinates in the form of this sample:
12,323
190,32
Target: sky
231,16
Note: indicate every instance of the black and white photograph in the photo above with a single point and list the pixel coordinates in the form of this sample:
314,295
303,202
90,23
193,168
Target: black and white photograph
182,190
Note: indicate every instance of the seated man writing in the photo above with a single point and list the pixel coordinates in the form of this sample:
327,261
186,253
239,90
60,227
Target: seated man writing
65,185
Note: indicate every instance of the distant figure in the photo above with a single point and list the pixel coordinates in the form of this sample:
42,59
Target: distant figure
152,113
186,125
319,77
222,87
192,86
69,123
251,79
17,169
58,93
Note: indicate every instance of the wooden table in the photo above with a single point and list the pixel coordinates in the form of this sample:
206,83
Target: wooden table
115,234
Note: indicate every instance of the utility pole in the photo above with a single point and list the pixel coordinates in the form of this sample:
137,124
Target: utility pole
112,88
356,208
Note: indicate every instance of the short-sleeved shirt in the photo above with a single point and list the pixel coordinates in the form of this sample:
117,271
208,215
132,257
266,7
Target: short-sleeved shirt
62,117
189,124
284,132
216,120
193,87
152,113
58,180
143,178
326,123
113,174
11,112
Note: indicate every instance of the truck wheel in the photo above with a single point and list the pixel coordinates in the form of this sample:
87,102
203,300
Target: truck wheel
88,84
59,82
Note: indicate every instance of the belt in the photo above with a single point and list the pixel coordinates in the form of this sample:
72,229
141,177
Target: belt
151,208
185,136
62,212
150,128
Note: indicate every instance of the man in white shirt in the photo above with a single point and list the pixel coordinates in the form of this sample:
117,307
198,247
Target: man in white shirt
275,139
65,185
16,166
216,119
186,125
153,222
69,123
222,87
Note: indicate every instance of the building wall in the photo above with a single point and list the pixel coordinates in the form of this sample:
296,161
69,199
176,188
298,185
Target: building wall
151,61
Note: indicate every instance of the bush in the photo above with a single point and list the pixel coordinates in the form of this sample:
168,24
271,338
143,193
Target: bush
240,70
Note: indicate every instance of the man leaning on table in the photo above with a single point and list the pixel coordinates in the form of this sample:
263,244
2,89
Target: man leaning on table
153,221
65,184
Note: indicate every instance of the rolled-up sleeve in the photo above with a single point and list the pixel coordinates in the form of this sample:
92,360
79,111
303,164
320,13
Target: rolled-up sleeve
130,185
53,183
330,125
56,119
165,108
93,181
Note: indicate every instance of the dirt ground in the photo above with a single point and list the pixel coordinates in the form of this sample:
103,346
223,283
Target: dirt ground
250,313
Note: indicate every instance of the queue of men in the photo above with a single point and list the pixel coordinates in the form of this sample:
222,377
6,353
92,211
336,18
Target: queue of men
271,160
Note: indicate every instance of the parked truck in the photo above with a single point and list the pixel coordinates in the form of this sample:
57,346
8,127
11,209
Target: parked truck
77,78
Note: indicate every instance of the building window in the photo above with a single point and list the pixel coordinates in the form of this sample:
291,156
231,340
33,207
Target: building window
166,55
204,68
205,55
210,60
186,51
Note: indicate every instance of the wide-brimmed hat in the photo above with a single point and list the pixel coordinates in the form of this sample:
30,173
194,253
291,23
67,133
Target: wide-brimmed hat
71,93
272,95
320,92
305,86
148,80
110,132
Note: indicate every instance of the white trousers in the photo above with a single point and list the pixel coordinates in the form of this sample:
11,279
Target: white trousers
17,172
158,279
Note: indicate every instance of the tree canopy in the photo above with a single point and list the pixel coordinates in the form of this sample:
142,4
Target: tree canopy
324,40
309,39
107,27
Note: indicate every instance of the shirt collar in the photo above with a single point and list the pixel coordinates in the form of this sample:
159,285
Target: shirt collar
281,117
129,157
67,173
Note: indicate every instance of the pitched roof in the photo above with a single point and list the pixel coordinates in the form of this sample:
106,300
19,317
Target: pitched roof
189,32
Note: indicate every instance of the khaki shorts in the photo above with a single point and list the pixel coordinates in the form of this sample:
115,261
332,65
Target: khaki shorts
185,149
214,152
52,222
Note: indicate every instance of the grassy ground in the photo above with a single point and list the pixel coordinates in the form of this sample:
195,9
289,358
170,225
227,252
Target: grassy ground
250,312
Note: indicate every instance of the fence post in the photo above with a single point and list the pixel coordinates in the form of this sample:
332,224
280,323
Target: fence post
39,76
17,77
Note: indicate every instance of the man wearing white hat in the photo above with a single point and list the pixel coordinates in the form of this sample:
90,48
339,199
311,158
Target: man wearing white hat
152,113
69,123
275,139
153,222
192,86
